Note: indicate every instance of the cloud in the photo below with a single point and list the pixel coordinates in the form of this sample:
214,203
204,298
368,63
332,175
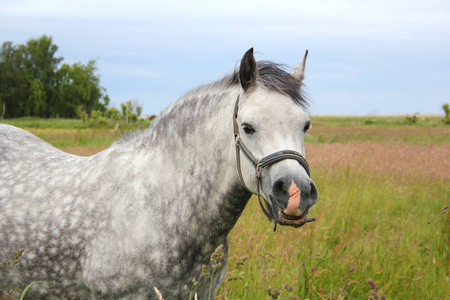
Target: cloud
384,18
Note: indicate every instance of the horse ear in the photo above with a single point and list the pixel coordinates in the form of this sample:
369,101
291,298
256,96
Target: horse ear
248,71
299,71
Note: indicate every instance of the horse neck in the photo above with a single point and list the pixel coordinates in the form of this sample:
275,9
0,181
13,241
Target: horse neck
191,144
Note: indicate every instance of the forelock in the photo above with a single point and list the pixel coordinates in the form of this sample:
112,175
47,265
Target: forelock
275,77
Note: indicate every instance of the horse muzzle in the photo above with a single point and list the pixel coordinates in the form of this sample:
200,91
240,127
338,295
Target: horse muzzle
291,200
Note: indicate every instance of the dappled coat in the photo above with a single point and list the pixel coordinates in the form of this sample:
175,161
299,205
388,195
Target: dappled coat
150,210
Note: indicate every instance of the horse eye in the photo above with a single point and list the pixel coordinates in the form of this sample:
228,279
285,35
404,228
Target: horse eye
248,129
307,125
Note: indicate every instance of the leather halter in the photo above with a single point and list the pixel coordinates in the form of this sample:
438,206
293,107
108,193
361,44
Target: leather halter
260,164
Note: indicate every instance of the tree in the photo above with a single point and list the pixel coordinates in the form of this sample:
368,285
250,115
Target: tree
105,104
41,63
138,111
32,85
13,80
113,113
36,98
124,108
131,110
446,108
3,108
79,86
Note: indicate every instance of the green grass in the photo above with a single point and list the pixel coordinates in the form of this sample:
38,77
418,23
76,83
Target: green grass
388,229
63,133
90,137
37,123
338,129
382,121
346,134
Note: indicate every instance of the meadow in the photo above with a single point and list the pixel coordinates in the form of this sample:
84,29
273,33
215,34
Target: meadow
382,229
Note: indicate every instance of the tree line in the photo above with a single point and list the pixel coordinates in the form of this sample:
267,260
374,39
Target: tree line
33,82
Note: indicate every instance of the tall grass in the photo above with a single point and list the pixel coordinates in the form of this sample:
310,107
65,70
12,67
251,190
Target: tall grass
340,129
389,229
73,133
380,121
320,134
89,137
38,123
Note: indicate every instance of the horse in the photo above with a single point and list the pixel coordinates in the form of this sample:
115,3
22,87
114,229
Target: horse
149,211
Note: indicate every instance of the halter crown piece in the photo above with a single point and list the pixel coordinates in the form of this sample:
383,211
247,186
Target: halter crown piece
262,163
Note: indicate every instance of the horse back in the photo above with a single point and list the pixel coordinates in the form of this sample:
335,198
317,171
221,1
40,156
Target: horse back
16,140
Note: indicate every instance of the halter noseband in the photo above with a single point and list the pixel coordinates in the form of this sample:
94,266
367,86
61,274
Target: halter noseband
261,163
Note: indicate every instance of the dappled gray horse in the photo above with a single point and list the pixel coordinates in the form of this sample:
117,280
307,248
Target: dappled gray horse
149,211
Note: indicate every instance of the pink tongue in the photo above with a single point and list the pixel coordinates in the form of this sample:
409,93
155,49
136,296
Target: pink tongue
294,200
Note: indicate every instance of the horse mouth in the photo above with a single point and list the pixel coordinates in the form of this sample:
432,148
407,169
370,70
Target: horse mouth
285,219
294,221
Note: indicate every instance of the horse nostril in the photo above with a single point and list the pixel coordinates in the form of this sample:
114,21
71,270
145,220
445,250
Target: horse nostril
313,195
309,191
280,189
285,188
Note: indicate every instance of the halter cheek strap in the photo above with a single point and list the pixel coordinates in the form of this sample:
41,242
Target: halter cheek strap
260,164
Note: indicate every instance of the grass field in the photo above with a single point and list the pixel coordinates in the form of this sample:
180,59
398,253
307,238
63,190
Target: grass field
382,229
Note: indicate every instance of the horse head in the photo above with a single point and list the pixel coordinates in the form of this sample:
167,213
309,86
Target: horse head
270,125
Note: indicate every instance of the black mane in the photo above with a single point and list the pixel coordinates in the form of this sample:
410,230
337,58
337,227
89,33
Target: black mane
272,75
275,78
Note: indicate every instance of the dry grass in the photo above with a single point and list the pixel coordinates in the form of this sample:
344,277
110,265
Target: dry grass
406,159
83,151
402,159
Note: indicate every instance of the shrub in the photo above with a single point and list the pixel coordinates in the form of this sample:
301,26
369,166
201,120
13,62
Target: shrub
412,120
446,108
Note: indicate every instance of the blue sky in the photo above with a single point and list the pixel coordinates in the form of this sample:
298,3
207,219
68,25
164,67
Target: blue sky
365,57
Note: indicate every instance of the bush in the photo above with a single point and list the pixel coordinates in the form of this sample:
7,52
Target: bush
412,120
113,113
446,108
132,118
